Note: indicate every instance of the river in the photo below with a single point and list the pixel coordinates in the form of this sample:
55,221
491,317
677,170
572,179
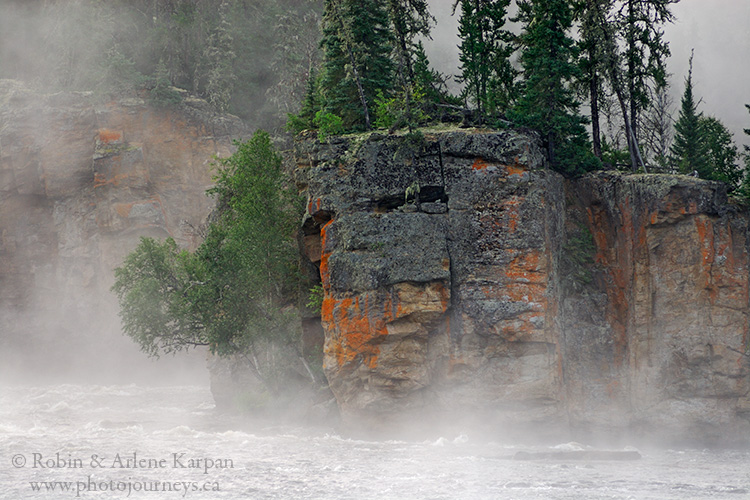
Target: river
132,441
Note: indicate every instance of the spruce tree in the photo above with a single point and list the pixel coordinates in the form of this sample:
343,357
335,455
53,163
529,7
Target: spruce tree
484,54
646,51
548,103
592,59
745,186
721,153
688,150
409,20
357,45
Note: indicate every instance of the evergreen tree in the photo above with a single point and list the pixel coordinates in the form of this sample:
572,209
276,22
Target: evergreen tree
745,186
593,41
548,103
484,54
721,153
646,51
409,19
429,80
357,45
689,150
220,56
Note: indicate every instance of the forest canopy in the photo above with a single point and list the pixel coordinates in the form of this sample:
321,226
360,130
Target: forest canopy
249,57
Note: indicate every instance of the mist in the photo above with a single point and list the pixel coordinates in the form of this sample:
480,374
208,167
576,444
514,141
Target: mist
716,29
90,162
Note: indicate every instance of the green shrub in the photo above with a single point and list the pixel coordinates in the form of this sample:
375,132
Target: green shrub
328,124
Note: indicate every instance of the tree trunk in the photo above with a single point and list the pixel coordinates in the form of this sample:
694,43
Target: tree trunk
595,130
611,58
360,90
632,70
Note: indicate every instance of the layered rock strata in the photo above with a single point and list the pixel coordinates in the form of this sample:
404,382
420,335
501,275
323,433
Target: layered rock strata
437,256
462,277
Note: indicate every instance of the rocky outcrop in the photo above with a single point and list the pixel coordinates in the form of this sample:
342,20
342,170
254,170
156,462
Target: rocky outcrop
81,179
461,277
437,255
660,337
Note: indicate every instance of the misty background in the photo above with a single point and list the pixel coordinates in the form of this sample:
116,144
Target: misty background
718,30
270,85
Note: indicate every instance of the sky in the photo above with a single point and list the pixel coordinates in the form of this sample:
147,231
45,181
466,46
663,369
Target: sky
718,30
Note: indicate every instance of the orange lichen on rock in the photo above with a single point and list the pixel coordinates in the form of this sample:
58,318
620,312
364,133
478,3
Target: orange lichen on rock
357,326
123,209
526,267
314,206
510,207
479,164
597,227
107,136
324,256
102,180
515,169
706,238
705,230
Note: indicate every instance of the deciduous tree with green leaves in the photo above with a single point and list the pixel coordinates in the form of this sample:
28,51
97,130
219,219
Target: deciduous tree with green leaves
236,289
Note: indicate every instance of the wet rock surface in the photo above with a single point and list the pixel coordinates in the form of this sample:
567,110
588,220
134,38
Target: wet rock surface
461,277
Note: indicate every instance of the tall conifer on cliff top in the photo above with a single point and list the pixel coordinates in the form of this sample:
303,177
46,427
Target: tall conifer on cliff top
548,103
485,53
688,150
357,45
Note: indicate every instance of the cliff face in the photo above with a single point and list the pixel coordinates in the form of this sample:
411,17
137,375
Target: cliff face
80,181
461,276
662,335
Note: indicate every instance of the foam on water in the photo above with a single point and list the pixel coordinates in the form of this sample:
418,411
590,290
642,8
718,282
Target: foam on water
68,422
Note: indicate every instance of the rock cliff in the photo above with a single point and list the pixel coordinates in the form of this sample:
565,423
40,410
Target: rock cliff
81,179
463,279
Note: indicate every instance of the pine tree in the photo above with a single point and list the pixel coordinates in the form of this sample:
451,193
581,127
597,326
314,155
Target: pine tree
646,51
688,150
220,56
721,153
484,54
592,45
357,45
409,20
548,103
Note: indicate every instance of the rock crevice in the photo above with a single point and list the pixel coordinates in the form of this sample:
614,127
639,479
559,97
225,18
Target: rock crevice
461,276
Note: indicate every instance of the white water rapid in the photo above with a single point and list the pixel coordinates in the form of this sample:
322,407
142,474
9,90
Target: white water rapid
153,443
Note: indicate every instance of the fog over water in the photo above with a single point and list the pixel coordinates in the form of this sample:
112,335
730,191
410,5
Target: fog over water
112,442
118,403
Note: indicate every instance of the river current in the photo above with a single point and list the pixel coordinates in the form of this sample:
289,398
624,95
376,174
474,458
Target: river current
153,443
